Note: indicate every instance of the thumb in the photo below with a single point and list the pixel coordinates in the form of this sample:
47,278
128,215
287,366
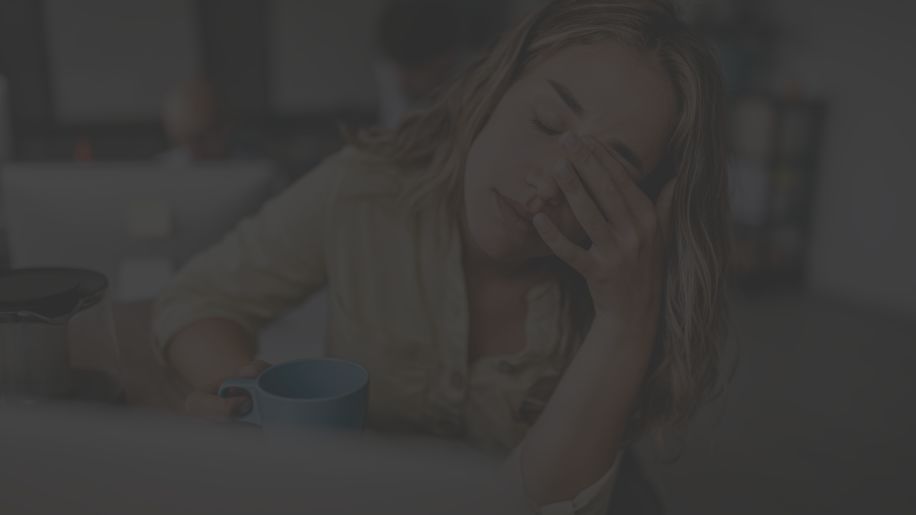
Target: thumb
253,369
663,208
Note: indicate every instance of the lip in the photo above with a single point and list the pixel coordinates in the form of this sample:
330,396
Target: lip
514,212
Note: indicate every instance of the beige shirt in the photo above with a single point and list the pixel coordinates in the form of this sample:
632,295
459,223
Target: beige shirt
397,305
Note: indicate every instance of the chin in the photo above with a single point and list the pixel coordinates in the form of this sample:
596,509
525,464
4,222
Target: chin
499,249
503,246
494,237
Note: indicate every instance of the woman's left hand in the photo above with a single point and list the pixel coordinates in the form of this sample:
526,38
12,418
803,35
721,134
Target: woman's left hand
625,265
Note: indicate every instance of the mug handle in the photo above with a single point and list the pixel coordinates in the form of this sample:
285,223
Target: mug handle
250,386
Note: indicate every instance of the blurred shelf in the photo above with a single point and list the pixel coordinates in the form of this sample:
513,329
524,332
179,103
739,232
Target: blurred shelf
775,149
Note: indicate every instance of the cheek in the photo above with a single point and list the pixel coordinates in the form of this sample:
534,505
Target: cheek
496,154
479,162
494,163
507,149
478,182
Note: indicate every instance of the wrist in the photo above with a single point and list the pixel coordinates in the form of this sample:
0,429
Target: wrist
632,330
632,321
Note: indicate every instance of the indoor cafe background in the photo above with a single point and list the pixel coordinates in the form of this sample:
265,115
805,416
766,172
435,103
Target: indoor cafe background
821,170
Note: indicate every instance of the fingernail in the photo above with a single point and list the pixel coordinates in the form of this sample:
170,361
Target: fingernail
244,406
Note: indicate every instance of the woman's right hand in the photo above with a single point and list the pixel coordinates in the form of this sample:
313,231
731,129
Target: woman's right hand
207,352
208,404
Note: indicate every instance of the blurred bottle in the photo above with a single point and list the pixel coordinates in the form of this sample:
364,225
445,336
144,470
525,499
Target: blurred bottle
82,151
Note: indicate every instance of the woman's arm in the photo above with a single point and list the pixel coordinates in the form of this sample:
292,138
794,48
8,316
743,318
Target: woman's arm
205,354
207,319
266,265
578,436
209,351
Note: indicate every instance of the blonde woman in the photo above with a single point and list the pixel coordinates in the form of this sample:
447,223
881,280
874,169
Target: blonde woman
534,264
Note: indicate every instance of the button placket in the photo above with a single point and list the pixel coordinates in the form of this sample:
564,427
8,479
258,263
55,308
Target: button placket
452,384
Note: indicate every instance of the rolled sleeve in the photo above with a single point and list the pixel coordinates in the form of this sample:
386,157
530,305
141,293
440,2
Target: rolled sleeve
593,500
267,264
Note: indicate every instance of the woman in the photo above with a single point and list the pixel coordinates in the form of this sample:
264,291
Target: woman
535,263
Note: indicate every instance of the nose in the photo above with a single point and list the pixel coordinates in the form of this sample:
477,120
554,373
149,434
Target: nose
546,191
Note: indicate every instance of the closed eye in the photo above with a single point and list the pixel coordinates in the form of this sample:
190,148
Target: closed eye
543,127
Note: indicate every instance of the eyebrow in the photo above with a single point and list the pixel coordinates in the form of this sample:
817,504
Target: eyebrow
622,148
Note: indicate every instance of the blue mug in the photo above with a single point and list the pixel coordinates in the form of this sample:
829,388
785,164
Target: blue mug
314,393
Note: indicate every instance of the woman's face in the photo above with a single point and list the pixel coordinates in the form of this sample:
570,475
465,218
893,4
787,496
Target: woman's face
607,91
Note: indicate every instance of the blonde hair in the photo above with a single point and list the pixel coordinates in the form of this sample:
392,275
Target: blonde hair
432,145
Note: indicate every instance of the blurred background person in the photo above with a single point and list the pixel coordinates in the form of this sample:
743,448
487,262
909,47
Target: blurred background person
421,45
194,123
197,125
200,127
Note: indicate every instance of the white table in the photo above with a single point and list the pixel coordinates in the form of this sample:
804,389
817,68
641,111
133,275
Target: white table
78,459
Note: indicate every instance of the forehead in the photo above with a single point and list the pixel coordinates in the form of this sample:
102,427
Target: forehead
624,92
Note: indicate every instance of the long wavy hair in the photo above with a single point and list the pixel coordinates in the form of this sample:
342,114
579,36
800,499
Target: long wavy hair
432,145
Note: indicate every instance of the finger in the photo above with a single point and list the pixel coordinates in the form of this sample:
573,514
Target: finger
582,204
596,172
663,208
208,405
574,255
253,369
545,187
624,176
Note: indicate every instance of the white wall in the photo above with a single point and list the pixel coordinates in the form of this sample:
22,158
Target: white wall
117,59
859,56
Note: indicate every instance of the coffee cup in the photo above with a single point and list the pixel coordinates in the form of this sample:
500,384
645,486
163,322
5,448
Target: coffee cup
312,394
